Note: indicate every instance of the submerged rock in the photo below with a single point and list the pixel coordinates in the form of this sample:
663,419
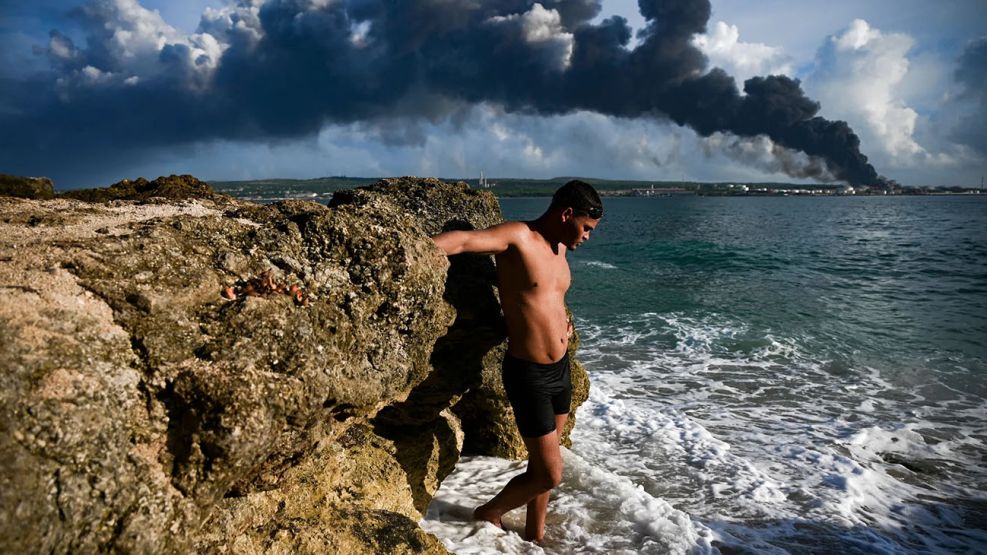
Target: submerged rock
145,411
918,466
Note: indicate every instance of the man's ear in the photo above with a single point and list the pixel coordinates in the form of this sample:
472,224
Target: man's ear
567,214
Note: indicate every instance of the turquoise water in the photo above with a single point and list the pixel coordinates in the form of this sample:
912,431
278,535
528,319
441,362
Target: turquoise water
793,373
892,280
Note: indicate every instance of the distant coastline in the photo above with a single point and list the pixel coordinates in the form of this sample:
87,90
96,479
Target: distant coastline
522,187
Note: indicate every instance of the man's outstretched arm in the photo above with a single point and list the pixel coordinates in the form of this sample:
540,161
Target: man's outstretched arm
493,240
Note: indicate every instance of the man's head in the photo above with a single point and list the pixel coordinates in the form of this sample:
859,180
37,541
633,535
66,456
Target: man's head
579,208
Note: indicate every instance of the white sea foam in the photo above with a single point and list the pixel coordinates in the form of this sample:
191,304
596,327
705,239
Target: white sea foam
726,438
593,511
599,264
767,435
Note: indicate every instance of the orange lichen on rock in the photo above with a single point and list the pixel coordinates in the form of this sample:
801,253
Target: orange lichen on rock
264,285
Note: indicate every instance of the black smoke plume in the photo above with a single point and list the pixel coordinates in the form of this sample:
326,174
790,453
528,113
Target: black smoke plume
296,65
971,73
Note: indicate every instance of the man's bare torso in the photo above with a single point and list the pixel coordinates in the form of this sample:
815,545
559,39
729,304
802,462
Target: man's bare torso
533,277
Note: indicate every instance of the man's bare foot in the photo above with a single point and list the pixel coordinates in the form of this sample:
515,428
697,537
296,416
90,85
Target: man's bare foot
486,513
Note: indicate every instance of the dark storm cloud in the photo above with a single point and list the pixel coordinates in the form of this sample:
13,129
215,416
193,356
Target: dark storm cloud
971,73
294,65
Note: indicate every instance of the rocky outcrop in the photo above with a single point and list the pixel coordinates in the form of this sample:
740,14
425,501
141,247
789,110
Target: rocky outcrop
172,187
26,187
202,374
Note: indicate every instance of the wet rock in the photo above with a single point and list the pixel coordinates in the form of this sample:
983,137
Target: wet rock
918,466
351,495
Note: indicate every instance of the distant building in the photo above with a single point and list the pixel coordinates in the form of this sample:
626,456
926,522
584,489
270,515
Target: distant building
653,191
484,184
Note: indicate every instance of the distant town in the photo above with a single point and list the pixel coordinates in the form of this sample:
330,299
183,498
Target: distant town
741,189
530,187
519,187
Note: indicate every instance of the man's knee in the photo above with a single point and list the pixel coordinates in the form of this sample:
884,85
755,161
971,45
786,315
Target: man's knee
549,479
555,478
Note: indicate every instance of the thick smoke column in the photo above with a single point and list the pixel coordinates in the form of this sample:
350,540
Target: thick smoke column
284,68
971,73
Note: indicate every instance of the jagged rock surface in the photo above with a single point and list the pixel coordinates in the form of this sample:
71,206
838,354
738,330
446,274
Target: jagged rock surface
145,412
172,187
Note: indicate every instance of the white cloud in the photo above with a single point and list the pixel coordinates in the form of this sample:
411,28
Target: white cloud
544,27
234,22
585,143
61,48
131,35
319,4
94,75
743,60
857,78
502,144
358,33
126,43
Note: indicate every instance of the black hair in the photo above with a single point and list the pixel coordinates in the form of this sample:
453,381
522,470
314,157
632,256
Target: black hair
580,196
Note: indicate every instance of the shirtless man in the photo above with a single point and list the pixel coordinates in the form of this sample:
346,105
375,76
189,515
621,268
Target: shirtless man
533,277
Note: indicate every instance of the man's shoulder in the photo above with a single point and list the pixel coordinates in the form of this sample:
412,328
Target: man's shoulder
516,231
511,235
515,227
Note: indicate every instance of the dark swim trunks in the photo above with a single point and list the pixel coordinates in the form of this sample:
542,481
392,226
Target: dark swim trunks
537,393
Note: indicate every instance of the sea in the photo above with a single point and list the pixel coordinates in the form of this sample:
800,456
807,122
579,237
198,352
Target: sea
768,375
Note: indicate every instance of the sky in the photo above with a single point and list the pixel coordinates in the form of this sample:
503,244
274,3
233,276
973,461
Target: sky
92,92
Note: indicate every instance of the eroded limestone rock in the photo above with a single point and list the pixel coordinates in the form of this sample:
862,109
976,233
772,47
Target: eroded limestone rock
143,411
136,398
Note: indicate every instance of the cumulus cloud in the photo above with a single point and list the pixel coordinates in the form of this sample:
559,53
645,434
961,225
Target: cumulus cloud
487,138
542,27
743,60
127,43
857,75
235,23
61,49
